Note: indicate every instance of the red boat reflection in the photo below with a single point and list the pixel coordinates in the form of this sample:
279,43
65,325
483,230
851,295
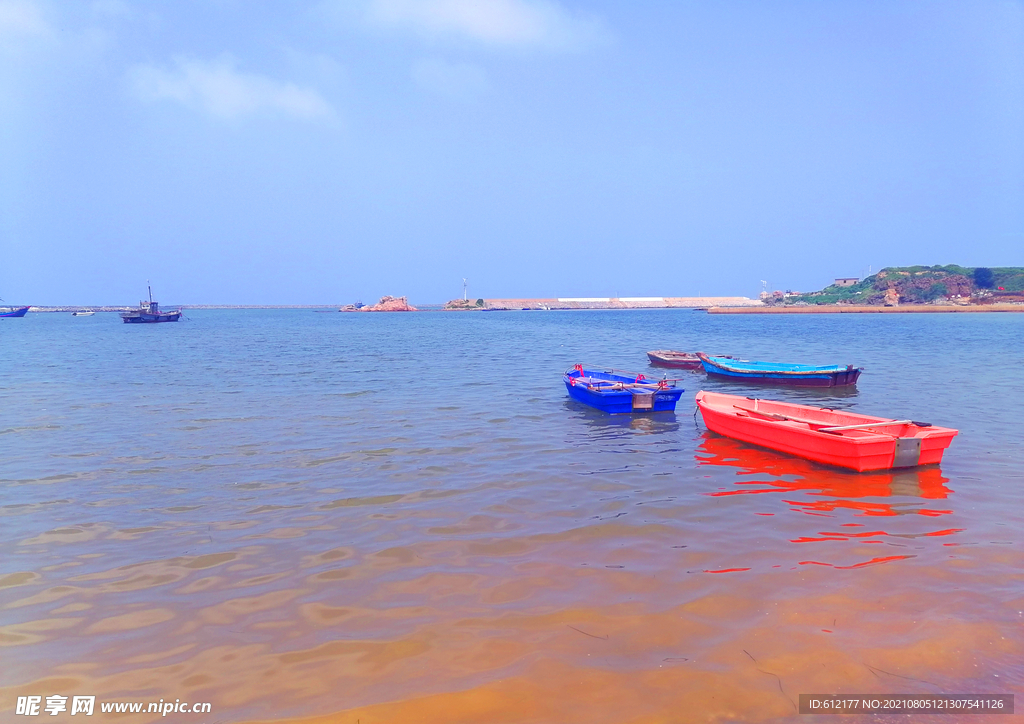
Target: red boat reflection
894,507
789,474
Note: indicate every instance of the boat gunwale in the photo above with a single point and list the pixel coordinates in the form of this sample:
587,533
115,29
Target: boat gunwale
671,388
672,353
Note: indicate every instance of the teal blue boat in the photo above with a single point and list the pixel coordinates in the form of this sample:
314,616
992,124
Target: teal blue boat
780,373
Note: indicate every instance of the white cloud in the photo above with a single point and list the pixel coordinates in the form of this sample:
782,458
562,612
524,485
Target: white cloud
21,18
457,80
509,23
218,88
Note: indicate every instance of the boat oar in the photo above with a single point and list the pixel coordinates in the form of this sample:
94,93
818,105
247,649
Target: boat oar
874,424
835,429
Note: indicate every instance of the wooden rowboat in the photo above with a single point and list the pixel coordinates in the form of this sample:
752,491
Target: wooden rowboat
673,359
778,373
677,360
618,393
833,437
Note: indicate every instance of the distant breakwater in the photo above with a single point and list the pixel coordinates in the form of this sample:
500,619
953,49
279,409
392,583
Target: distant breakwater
622,303
489,304
79,308
850,309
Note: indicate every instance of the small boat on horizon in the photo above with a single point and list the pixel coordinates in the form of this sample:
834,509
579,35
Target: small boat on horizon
620,393
780,373
83,314
15,312
833,437
149,312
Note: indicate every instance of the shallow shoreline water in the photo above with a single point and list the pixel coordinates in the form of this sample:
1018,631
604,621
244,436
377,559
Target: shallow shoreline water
403,518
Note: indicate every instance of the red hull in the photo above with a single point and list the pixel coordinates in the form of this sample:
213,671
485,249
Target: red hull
885,445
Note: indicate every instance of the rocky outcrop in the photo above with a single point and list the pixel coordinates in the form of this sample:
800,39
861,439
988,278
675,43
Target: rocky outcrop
921,287
390,304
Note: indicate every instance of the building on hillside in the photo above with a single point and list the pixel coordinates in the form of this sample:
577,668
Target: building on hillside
846,282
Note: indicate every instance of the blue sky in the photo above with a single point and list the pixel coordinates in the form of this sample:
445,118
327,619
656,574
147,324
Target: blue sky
325,151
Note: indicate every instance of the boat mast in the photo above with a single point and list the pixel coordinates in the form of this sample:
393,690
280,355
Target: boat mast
150,288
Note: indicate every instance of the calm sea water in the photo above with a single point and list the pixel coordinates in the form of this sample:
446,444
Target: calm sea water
402,517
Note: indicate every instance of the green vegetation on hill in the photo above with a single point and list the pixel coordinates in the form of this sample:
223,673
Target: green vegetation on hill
464,304
918,284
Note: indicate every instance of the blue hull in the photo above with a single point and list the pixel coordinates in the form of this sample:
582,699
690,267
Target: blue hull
621,401
779,373
20,312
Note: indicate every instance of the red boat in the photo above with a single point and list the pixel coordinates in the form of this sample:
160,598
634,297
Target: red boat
843,439
677,360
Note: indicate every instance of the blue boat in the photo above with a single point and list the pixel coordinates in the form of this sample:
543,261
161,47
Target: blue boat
779,373
619,393
16,312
